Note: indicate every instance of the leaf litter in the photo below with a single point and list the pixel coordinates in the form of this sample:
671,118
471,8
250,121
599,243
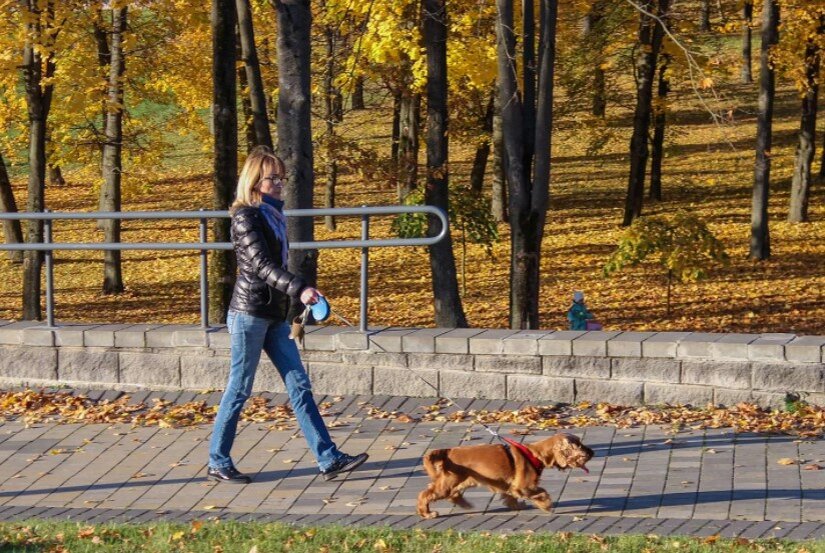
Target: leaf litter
806,421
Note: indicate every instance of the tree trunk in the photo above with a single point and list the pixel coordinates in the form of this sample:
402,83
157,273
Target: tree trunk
801,184
593,31
358,94
12,231
528,55
409,121
449,312
112,148
56,176
747,20
39,28
329,117
247,123
222,264
659,120
528,199
294,129
760,246
396,127
483,149
704,18
499,184
650,39
257,95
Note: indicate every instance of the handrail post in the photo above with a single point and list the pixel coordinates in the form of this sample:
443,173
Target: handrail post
49,254
204,284
365,258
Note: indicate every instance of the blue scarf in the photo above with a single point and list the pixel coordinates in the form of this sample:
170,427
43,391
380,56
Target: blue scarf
273,211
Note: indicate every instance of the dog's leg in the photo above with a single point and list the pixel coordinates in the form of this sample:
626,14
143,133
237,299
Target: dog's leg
458,499
510,502
443,489
424,499
541,499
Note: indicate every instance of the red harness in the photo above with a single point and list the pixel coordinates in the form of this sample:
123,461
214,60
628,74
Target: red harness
538,465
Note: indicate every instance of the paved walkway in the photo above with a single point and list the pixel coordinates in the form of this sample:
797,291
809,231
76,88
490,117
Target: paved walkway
642,480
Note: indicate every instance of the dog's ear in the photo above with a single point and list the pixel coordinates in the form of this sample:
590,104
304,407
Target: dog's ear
548,451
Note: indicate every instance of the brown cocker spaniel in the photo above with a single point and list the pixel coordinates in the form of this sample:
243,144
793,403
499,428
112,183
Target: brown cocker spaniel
508,470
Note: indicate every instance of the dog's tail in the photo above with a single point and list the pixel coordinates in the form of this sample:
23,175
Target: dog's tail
434,462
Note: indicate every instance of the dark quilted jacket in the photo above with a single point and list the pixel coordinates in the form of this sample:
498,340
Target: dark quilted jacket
262,288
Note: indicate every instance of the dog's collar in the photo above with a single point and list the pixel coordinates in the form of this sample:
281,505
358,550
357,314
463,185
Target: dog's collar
524,450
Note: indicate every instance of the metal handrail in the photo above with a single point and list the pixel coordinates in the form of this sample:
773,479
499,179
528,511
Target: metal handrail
365,212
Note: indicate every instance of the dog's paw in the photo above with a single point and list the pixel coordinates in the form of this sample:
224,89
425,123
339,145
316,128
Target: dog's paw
431,514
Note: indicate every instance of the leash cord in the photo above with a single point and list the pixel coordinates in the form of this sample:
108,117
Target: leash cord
422,379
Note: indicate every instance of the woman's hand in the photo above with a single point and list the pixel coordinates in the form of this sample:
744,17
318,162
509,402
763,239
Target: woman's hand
310,295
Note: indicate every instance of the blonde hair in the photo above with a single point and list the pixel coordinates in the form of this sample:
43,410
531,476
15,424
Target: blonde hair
261,162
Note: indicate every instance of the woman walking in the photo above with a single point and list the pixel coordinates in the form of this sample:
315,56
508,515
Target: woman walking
257,321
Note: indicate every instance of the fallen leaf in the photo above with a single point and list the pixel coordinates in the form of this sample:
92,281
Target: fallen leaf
812,466
786,461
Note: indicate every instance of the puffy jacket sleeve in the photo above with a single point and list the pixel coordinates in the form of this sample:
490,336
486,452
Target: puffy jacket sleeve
249,242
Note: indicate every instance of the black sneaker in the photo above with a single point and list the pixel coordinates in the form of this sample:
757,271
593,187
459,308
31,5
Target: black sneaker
345,463
228,474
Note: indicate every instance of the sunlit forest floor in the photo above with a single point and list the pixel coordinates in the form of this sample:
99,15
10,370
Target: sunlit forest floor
708,169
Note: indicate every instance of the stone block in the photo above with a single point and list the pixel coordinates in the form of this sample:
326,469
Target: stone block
267,377
679,394
422,340
805,349
161,336
38,336
509,364
696,344
440,361
648,370
326,338
405,382
133,336
769,347
473,384
627,344
524,342
71,334
203,373
788,378
729,398
593,342
322,356
389,339
620,393
456,341
374,359
150,368
732,346
490,342
335,379
102,336
713,373
662,344
587,367
28,362
87,365
12,333
189,336
351,339
540,389
559,343
219,338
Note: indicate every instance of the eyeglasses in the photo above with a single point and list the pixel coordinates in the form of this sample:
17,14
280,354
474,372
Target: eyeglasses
275,179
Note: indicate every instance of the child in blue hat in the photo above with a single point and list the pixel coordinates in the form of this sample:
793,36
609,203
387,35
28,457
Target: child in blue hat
578,315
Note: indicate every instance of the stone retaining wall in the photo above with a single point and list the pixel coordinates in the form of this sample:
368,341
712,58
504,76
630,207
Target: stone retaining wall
543,366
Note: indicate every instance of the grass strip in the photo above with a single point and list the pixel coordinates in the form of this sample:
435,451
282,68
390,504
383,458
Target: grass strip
226,537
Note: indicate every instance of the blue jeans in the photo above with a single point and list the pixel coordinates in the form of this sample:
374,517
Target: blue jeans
249,336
